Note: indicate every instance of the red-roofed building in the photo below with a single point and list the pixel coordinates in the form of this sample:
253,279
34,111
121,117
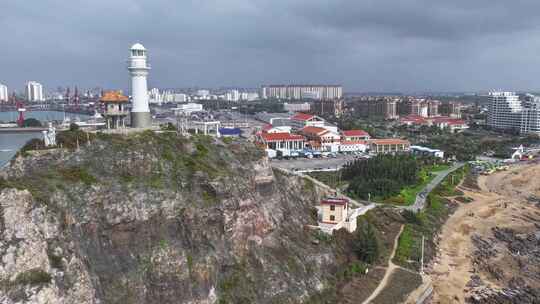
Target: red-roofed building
334,210
389,145
281,141
354,135
326,139
439,121
301,120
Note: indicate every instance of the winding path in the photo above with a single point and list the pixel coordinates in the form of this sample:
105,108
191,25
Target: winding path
389,270
420,201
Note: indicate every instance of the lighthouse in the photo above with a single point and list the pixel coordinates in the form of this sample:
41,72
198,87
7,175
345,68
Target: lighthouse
138,70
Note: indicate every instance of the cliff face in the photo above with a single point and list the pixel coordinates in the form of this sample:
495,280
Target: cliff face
158,219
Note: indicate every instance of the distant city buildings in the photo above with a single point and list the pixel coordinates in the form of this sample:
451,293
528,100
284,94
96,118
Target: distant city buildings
34,92
316,92
3,93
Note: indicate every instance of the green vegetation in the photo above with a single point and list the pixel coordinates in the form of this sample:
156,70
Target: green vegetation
382,176
427,222
405,245
390,179
77,174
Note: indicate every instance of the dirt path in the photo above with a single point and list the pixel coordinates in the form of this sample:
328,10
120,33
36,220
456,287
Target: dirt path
500,202
389,270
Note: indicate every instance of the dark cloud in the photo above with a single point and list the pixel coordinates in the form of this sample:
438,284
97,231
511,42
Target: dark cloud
366,45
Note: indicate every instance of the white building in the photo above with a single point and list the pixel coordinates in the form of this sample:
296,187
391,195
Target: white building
34,91
530,117
297,107
249,96
138,70
3,93
302,91
188,108
504,111
203,94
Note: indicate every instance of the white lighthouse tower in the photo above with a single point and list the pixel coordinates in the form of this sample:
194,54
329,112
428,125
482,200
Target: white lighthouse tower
138,70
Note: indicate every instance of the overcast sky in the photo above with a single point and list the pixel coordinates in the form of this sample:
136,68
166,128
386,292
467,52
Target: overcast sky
366,45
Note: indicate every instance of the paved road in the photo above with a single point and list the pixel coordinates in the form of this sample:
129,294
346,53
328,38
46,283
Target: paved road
312,164
422,195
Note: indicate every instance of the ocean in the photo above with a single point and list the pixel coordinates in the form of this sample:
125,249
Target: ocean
10,143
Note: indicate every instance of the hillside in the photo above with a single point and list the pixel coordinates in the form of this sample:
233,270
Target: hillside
156,218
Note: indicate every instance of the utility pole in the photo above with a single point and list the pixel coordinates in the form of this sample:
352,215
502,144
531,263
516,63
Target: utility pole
422,258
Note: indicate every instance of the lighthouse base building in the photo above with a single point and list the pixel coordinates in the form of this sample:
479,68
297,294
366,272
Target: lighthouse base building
141,120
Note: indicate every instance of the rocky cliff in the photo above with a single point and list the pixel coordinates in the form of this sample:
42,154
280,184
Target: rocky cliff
156,218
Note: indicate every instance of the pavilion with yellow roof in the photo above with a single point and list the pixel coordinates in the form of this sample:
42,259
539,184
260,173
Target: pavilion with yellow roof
115,109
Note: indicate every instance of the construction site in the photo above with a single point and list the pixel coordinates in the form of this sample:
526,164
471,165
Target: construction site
489,248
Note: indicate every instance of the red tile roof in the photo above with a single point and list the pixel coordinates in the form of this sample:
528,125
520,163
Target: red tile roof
389,141
313,130
334,201
302,116
114,96
351,133
417,119
281,137
448,120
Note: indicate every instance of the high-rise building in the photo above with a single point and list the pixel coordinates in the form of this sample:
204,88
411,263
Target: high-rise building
451,109
530,117
504,111
433,108
317,92
328,107
3,93
34,91
232,95
385,107
138,70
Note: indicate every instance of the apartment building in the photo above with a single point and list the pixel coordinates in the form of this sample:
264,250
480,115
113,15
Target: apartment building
504,111
317,92
3,93
377,107
34,91
328,107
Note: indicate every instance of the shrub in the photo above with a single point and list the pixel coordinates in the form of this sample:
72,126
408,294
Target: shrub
31,122
33,277
73,127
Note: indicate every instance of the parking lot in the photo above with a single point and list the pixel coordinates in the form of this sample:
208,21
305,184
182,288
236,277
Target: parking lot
315,164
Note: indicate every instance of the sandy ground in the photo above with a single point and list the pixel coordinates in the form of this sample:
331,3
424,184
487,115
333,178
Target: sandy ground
500,202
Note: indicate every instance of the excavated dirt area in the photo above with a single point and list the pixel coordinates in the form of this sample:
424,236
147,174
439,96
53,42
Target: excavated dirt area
489,249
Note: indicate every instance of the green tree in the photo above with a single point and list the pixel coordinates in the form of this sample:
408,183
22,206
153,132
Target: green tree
31,122
366,245
73,126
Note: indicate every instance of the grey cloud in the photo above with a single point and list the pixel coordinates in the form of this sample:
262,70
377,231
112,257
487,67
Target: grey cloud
365,44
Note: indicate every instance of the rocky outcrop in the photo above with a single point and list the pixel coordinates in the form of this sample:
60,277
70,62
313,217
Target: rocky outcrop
158,219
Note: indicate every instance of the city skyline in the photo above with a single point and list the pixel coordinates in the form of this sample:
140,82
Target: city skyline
368,46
